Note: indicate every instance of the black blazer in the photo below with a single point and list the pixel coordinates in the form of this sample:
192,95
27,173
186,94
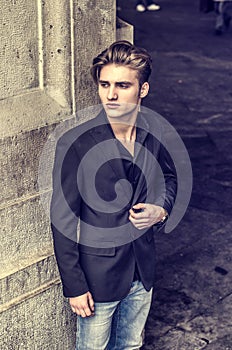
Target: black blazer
90,186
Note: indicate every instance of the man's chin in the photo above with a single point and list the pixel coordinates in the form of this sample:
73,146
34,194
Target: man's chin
114,114
119,114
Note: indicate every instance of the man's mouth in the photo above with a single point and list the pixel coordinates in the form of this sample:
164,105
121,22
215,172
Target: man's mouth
112,105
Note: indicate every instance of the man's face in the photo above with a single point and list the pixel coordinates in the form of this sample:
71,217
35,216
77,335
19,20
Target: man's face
119,91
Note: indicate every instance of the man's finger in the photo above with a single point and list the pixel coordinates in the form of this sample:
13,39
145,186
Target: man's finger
82,313
139,206
87,311
137,215
138,220
91,302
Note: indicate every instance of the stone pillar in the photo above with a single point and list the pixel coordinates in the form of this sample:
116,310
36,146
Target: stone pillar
125,31
46,50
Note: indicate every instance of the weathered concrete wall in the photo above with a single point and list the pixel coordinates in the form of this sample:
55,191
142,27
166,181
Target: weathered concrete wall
125,31
41,321
46,51
19,48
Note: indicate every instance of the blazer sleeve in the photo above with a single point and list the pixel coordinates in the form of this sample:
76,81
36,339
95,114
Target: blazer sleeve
65,211
167,198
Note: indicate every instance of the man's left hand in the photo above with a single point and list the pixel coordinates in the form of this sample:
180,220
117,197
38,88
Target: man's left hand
148,215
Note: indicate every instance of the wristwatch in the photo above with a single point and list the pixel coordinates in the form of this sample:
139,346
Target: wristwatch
164,218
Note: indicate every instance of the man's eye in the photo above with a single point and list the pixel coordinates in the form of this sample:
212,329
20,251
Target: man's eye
124,86
104,85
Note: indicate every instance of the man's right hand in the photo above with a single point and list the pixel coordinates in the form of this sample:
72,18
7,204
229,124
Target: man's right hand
83,305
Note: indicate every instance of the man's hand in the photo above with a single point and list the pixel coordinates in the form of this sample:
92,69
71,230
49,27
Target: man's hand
83,305
146,215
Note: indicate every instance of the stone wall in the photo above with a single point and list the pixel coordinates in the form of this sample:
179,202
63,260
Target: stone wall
46,51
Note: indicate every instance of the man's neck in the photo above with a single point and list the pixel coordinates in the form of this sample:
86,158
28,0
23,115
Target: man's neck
124,128
124,132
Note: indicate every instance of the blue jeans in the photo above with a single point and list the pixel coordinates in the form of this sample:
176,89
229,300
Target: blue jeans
116,325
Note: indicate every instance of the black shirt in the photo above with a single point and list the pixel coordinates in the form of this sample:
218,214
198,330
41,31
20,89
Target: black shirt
132,174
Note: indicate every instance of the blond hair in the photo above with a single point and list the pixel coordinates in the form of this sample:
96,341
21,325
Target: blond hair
124,53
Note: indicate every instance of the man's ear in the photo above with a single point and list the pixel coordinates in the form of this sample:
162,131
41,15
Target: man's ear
144,89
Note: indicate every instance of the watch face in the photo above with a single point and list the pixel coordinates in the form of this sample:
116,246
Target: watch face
164,219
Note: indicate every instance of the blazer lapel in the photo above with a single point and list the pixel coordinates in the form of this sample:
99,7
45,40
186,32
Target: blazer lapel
107,143
140,156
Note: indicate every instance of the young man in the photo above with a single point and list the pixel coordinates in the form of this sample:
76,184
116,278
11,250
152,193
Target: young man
107,175
223,9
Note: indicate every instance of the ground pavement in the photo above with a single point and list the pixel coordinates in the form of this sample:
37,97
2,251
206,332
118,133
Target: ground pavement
191,87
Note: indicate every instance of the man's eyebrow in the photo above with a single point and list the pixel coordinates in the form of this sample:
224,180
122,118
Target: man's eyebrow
102,81
124,82
117,82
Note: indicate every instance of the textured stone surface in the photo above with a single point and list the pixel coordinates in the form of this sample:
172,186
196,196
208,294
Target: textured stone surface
19,49
40,322
46,52
57,41
29,234
125,31
20,157
23,280
100,19
31,111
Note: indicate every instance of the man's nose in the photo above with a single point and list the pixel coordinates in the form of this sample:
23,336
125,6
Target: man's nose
112,93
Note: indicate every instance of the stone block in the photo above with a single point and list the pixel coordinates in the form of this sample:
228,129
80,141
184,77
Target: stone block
125,31
27,112
56,50
23,281
94,25
20,156
42,321
25,233
19,48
